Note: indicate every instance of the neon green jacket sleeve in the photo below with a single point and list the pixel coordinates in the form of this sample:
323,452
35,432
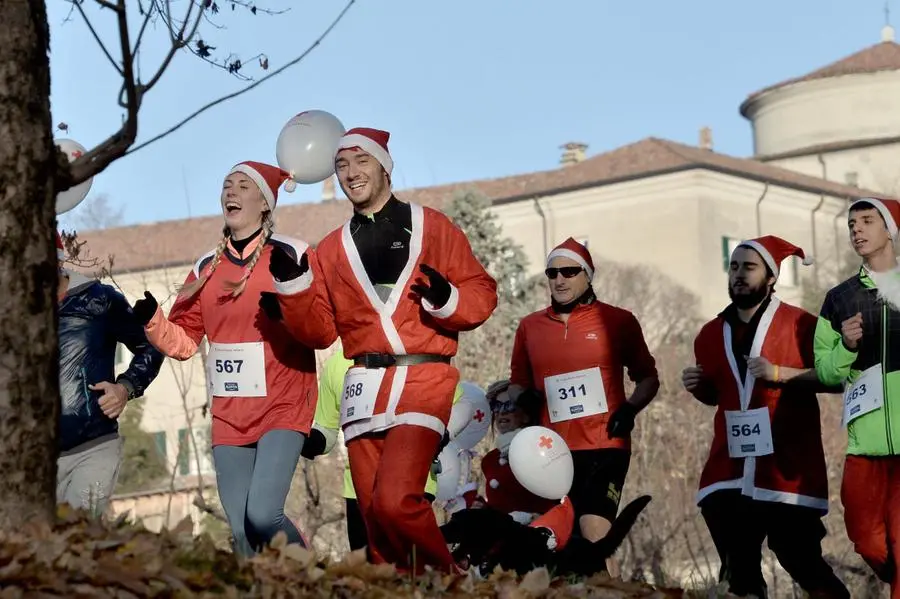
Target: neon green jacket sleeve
833,359
331,383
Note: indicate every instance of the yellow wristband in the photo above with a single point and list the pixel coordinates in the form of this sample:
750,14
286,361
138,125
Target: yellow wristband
776,373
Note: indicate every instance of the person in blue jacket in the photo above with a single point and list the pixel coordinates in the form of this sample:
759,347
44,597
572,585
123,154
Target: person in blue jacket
93,319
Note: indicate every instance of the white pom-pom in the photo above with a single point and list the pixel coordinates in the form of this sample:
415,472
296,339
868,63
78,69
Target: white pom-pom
809,260
503,461
494,483
290,185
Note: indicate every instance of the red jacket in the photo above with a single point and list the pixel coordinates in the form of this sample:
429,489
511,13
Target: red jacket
289,366
795,473
422,394
596,335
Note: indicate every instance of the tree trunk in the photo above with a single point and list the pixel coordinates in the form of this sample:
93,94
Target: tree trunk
29,380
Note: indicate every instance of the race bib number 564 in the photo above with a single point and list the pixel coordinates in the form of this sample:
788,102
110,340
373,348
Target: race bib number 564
749,433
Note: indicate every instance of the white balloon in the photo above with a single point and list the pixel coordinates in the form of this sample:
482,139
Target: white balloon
68,199
471,416
307,144
454,468
542,463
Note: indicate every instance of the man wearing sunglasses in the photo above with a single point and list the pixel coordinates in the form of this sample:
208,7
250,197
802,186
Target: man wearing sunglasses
575,353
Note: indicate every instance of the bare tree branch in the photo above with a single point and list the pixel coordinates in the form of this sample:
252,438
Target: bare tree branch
225,98
77,5
116,145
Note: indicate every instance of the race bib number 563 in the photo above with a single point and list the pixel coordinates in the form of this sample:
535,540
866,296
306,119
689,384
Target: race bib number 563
864,395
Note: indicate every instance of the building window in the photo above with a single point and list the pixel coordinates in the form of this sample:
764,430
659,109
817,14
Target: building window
160,438
184,452
728,245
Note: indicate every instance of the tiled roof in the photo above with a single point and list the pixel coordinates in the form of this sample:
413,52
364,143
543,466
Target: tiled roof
179,242
884,56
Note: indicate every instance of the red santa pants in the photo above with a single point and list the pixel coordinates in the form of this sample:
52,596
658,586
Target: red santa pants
389,473
870,493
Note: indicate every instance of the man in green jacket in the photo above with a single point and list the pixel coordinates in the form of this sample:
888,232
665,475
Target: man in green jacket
857,344
324,435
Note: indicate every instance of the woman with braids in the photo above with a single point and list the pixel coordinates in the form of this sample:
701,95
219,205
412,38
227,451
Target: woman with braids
261,378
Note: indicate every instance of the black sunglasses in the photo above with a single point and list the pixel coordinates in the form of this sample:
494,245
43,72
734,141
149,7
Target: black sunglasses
566,271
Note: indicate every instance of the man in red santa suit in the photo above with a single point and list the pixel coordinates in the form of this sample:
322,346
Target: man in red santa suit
402,282
765,475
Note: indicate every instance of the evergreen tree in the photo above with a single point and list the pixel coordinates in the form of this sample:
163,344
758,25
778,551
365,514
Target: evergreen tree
485,352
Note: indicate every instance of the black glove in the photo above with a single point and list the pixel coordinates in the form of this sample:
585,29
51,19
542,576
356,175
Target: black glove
438,292
436,463
144,309
314,444
284,268
621,422
268,301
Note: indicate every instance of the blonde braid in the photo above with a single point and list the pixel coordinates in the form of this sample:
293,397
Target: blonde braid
191,289
237,287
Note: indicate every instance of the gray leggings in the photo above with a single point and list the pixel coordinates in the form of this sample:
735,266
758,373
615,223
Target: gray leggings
253,482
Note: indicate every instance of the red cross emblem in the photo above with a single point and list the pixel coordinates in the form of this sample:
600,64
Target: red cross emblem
546,442
479,415
77,154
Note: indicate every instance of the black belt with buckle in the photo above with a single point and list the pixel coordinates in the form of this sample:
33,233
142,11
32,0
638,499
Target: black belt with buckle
373,360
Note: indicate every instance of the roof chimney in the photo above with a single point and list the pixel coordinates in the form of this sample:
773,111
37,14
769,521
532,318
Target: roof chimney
573,153
706,140
328,189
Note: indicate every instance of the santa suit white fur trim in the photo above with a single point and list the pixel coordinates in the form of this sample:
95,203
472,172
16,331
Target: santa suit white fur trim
883,210
385,310
260,182
355,140
567,253
888,286
448,309
747,482
295,286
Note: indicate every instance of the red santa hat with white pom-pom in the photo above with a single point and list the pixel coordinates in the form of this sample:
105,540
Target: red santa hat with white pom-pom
573,250
888,209
268,178
371,141
774,250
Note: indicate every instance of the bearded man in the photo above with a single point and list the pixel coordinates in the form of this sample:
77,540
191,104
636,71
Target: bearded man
765,475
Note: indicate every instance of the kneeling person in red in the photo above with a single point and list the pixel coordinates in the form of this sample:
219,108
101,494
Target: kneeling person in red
765,476
576,352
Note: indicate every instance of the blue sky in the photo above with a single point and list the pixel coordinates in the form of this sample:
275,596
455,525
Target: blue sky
468,89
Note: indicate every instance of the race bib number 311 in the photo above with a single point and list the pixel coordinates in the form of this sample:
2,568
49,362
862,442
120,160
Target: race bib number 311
575,394
236,369
749,433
